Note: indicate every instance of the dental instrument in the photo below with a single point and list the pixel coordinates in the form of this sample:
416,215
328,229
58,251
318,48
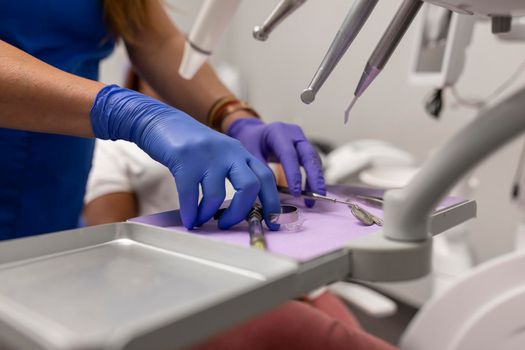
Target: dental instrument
386,47
363,215
255,228
372,201
283,10
359,213
211,22
354,21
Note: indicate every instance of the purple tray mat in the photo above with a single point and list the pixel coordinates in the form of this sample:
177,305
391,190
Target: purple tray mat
326,228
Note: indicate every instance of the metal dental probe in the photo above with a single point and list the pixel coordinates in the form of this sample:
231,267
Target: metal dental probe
359,213
349,108
386,46
354,21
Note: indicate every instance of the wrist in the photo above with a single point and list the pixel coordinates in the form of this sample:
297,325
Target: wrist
226,111
238,126
122,114
99,113
233,117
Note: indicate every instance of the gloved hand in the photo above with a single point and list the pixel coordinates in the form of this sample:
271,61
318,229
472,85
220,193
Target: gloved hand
194,153
286,144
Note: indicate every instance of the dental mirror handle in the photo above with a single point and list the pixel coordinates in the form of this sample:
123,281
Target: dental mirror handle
354,21
388,43
283,10
312,195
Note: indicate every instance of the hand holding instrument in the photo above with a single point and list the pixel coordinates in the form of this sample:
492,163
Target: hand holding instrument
195,155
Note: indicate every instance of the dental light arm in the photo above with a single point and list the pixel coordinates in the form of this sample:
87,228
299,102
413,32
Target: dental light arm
407,210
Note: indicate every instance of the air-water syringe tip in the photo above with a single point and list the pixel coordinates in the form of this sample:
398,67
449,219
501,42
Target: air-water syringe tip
349,108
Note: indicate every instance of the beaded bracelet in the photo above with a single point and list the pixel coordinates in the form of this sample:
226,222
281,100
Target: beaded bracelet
224,107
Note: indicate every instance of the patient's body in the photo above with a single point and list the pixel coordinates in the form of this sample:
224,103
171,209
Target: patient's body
323,323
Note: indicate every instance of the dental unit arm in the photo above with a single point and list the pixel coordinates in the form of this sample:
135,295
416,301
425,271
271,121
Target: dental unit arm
407,210
494,126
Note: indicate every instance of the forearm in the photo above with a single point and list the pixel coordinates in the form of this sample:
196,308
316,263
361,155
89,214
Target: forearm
35,96
157,56
112,207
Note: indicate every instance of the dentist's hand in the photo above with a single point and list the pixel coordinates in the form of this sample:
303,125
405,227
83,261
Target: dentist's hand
286,144
195,154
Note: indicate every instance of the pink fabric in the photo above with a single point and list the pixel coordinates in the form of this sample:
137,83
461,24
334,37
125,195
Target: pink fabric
324,323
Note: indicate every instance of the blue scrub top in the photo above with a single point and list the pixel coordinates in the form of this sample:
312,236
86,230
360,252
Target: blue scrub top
43,176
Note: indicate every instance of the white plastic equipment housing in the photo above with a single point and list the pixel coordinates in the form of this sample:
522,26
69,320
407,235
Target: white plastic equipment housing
482,311
212,20
458,39
484,7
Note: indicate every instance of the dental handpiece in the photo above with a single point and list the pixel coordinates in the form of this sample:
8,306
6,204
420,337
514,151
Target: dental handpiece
386,46
283,10
354,21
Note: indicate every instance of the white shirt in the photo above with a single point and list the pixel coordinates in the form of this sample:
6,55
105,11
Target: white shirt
121,166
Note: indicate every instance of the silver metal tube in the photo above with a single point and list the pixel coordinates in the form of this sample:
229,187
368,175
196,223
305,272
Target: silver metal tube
388,43
283,10
354,21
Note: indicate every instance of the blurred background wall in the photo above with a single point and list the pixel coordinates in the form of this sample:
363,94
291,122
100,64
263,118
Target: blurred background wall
275,72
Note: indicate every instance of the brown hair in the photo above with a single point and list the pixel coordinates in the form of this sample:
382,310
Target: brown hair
126,18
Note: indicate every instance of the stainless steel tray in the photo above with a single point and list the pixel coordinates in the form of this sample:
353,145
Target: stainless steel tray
130,286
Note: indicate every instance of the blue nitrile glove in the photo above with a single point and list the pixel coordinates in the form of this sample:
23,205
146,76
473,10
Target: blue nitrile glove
286,144
194,153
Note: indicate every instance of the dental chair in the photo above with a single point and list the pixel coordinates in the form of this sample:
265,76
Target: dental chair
483,310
